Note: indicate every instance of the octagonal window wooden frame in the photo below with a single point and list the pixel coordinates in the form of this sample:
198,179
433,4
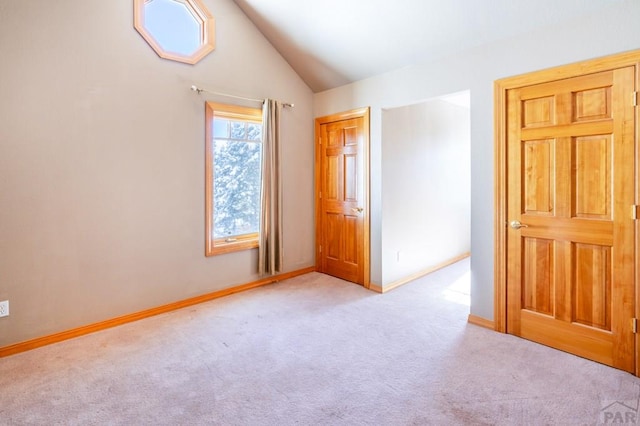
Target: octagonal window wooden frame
206,24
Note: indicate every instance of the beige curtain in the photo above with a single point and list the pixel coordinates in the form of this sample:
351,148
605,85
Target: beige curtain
270,248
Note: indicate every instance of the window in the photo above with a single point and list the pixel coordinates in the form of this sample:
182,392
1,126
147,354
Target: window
180,30
233,177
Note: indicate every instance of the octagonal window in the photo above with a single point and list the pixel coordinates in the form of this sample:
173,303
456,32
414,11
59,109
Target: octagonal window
180,30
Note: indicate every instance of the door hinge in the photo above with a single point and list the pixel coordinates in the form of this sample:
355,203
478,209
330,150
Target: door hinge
319,194
634,325
320,249
634,98
635,212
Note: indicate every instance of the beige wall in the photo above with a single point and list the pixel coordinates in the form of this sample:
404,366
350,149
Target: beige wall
102,169
609,31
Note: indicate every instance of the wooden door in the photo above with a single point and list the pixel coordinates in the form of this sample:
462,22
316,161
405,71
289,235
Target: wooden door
570,231
342,196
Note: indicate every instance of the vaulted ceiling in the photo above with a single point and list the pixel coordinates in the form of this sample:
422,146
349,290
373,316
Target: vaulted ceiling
334,42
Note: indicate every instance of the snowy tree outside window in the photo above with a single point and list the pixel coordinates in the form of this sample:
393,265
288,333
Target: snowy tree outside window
236,177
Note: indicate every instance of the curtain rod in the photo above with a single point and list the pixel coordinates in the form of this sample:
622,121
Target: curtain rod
199,90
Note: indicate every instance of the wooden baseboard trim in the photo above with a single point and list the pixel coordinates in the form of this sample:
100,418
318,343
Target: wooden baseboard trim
113,322
482,322
375,287
421,274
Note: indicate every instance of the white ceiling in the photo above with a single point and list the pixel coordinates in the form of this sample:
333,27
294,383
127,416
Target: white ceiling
334,42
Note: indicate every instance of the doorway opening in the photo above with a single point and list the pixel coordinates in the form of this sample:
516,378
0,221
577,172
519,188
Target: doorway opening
426,186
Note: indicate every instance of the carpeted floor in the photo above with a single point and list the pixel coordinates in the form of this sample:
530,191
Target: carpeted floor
313,350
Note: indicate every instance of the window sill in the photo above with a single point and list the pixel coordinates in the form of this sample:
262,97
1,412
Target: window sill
230,245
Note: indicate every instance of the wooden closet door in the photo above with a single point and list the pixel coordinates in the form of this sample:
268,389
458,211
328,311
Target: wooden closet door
342,194
570,238
342,199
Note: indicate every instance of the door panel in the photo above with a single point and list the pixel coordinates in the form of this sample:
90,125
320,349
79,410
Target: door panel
570,180
342,220
593,286
351,177
539,182
537,281
351,237
333,242
592,177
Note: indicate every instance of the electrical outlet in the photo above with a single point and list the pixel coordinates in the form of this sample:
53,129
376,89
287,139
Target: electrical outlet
4,308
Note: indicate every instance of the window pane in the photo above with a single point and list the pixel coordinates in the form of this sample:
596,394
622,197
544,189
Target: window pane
238,130
236,188
254,132
173,25
220,128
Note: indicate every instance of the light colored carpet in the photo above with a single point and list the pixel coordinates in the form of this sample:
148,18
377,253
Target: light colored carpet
313,350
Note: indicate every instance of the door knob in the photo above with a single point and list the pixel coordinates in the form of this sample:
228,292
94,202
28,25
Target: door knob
515,224
357,209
